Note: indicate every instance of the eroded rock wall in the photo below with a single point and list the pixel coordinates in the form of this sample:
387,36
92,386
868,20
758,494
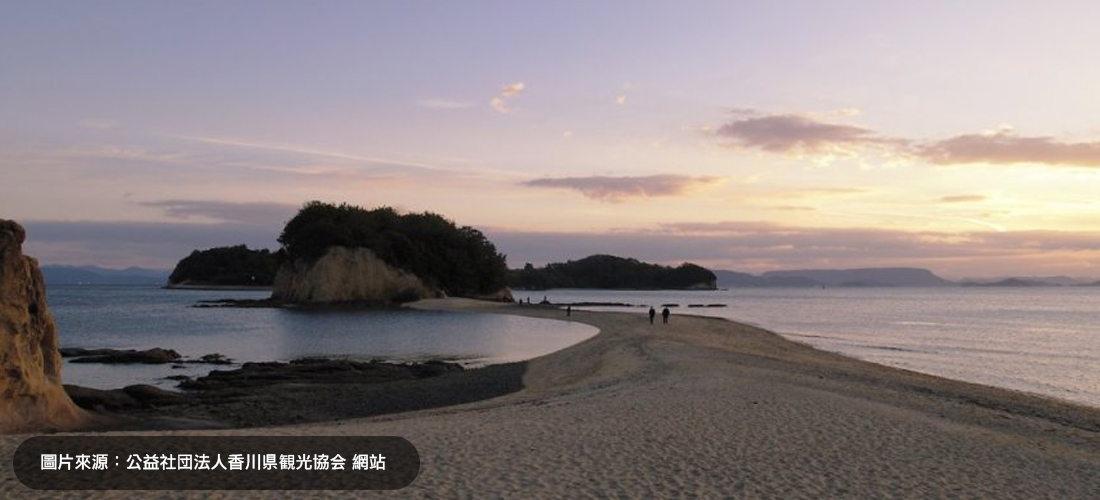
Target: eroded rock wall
31,395
346,275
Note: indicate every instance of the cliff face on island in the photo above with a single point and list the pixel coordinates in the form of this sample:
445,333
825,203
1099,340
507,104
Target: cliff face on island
31,395
346,275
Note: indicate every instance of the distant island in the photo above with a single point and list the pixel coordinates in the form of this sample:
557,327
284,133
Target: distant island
611,272
883,277
347,254
234,266
864,277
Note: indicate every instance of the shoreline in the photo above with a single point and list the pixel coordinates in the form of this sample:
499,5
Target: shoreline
709,407
224,288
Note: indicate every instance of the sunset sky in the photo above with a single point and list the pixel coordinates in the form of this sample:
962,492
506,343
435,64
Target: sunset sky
963,137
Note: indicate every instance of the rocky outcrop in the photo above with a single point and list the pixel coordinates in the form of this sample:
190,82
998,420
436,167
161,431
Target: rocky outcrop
131,397
154,356
346,275
317,371
31,395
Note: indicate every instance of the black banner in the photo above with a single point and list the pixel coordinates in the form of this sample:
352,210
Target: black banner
216,463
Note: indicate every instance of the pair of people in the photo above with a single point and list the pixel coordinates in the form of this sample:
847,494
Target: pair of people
664,315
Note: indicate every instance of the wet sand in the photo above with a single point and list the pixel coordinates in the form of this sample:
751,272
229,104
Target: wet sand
708,408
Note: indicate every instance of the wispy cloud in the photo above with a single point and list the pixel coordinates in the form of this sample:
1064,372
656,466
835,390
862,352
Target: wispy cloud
963,198
507,92
148,244
616,189
260,213
621,100
809,134
443,104
792,133
287,148
1006,147
126,153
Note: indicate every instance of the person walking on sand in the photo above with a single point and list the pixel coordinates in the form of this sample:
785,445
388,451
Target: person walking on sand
665,314
652,314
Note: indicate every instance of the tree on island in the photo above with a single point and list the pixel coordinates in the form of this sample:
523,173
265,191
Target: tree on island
611,272
226,266
457,260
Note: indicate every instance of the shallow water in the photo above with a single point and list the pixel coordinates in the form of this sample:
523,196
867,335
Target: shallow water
1039,340
145,317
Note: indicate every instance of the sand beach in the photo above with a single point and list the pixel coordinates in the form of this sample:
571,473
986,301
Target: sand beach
709,408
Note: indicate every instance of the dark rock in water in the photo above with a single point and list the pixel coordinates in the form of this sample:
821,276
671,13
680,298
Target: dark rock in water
73,352
433,368
178,378
152,356
154,395
239,303
156,355
212,359
133,397
97,399
670,305
317,370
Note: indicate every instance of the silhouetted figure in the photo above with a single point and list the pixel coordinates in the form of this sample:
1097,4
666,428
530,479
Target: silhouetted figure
665,314
652,314
568,310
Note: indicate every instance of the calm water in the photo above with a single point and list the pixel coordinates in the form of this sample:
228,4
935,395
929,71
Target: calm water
1038,340
145,317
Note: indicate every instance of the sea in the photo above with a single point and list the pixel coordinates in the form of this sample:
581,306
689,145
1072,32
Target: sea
1044,341
143,317
1040,340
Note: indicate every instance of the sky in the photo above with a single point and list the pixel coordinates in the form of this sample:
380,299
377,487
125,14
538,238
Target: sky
962,137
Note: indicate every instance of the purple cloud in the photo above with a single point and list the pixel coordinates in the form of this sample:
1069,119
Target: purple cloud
260,213
797,133
1005,147
616,189
787,133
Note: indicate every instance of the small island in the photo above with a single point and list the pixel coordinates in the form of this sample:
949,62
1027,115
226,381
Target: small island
347,254
612,273
226,267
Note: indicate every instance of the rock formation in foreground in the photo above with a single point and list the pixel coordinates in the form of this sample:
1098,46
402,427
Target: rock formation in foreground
31,395
346,275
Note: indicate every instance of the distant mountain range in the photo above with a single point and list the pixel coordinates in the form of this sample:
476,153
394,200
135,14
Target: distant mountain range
882,277
1030,281
889,276
94,275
